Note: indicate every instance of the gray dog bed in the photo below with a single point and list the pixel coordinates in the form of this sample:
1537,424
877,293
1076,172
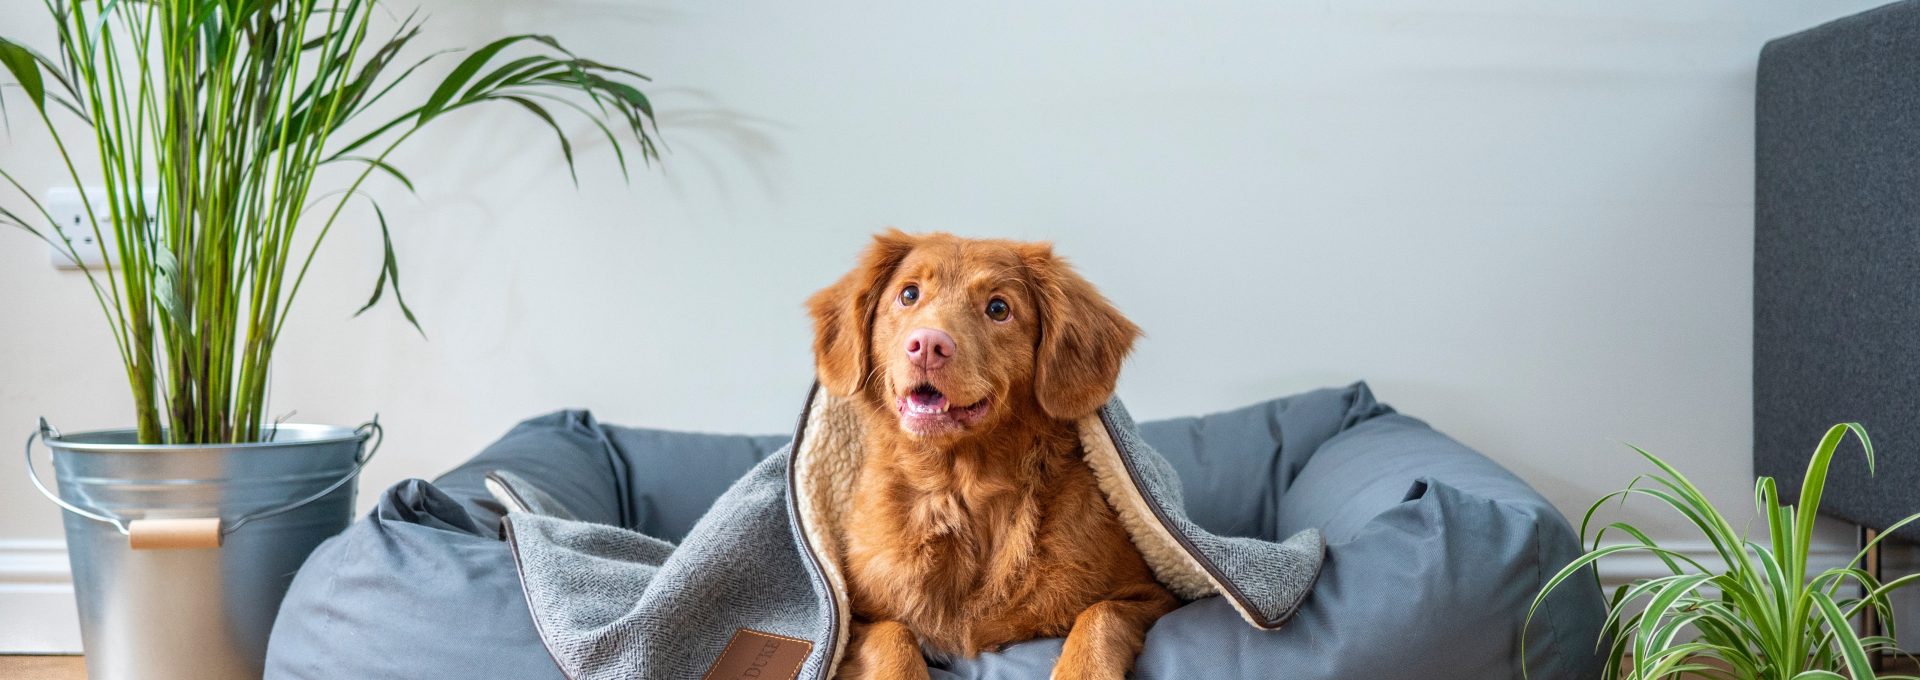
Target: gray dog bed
1433,552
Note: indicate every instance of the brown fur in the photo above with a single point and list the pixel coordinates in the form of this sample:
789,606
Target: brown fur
972,540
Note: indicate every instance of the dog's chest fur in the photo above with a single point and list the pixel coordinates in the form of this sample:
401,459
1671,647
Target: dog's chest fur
978,546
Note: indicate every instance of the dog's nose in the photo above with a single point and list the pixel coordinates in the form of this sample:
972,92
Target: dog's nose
929,348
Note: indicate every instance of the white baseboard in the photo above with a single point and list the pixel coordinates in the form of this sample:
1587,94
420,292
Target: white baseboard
37,614
1624,568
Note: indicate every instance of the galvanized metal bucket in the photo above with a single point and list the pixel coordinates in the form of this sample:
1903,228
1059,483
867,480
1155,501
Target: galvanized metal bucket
181,553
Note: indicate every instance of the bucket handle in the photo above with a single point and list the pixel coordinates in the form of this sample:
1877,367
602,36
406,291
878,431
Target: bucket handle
48,431
368,430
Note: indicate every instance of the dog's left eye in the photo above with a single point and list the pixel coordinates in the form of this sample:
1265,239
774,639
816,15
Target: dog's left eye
998,310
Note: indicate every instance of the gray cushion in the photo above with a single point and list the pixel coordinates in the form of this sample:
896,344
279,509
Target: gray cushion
417,589
1434,552
423,588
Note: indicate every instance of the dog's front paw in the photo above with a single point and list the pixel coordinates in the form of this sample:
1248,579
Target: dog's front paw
1084,666
885,650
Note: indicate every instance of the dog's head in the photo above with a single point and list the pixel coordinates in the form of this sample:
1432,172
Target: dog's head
952,335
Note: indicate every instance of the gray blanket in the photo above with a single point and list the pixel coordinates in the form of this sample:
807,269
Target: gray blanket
758,579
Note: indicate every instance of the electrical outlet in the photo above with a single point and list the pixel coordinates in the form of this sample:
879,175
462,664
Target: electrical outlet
68,208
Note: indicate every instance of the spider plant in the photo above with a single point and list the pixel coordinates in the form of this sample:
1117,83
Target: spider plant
230,108
1756,614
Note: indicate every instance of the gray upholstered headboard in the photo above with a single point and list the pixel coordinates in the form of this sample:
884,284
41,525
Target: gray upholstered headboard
1837,258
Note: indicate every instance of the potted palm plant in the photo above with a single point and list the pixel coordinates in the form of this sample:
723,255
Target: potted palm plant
210,121
1755,614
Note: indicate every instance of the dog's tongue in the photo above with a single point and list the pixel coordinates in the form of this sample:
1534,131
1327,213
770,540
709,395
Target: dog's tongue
927,400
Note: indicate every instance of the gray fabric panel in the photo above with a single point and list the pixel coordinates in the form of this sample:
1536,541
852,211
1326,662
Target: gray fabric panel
1269,577
1372,467
417,589
674,477
612,475
1030,660
1235,465
1428,589
1403,503
1837,258
1390,604
1434,554
565,453
515,492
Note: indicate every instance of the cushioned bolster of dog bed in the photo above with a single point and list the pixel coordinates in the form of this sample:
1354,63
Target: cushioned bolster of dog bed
1434,552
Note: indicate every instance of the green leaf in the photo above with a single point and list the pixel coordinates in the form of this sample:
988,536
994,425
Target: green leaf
20,62
1698,509
1643,539
620,157
368,102
10,217
1850,648
1766,495
384,167
379,288
1862,555
507,73
390,270
1880,593
1661,608
1594,509
1768,619
566,146
1775,582
1813,485
167,281
1584,560
464,72
229,107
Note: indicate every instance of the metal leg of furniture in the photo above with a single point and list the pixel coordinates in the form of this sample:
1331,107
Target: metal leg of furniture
1870,617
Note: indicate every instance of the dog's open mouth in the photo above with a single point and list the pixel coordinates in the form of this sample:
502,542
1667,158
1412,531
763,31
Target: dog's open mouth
925,410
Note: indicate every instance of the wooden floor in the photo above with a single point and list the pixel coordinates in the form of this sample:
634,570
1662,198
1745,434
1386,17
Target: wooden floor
42,668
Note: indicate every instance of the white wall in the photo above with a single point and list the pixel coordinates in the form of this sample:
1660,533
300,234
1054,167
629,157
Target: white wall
1529,223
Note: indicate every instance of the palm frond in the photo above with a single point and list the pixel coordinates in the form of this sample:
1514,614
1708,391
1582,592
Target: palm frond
229,108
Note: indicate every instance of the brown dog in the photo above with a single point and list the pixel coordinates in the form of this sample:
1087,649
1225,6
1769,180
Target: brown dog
975,521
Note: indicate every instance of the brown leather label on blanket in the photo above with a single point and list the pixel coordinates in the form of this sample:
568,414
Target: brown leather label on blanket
753,655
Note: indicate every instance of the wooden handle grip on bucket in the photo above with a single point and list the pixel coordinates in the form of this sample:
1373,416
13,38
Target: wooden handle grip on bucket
163,534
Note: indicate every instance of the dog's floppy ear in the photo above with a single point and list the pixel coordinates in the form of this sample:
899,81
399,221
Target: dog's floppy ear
843,313
1083,339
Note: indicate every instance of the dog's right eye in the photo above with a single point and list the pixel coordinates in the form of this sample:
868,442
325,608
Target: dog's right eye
909,295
